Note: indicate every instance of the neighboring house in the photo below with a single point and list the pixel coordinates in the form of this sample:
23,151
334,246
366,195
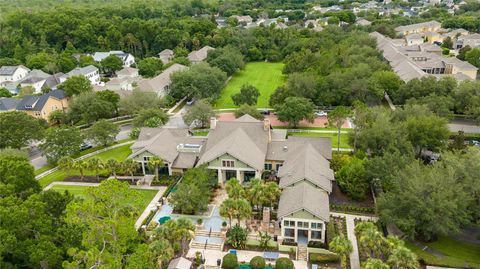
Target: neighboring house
12,73
430,26
413,39
454,34
161,83
244,149
472,40
409,64
8,104
315,25
127,58
127,73
221,22
166,55
41,106
197,56
433,37
35,79
90,72
117,84
243,20
363,22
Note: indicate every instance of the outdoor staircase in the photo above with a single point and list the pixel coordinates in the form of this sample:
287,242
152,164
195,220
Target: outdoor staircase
200,245
208,233
302,253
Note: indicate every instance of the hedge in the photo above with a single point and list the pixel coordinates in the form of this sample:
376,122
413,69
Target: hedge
323,258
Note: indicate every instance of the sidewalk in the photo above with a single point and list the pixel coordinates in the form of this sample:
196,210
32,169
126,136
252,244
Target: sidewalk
350,219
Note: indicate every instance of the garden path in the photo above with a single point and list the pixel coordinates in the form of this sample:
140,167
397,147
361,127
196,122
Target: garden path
350,219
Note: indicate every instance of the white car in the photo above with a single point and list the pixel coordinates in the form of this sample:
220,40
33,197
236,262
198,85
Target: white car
321,113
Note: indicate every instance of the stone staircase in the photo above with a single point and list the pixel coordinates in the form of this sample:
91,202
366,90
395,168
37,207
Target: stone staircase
211,246
208,233
302,253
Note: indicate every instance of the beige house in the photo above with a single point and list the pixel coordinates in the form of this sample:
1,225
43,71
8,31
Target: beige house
200,55
42,106
161,83
244,149
423,27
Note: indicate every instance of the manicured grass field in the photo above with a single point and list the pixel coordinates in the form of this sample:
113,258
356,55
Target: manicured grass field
266,77
145,196
334,136
119,154
457,253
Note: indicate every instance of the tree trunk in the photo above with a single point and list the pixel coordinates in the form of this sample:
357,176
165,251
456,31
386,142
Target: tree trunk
338,140
156,173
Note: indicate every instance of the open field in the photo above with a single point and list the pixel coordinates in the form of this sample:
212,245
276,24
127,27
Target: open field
119,154
145,196
266,77
334,137
456,253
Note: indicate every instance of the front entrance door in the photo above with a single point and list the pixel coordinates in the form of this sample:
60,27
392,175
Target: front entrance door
302,237
230,174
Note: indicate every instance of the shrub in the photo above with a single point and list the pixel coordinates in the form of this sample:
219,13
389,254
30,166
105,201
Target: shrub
323,258
257,262
199,221
229,261
284,263
289,242
315,244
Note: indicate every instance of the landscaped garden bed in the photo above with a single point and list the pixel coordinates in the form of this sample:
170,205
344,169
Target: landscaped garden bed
340,202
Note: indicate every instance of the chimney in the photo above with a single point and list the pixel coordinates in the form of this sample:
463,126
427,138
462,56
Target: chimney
267,127
213,123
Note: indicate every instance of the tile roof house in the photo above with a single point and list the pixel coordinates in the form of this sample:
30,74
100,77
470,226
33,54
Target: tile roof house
244,149
127,58
41,106
161,83
409,63
197,56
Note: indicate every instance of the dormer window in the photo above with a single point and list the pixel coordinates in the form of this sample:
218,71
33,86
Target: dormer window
228,163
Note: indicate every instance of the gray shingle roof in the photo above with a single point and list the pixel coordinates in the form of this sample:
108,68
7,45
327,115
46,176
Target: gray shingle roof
7,104
199,55
159,82
36,103
306,163
35,76
304,197
8,70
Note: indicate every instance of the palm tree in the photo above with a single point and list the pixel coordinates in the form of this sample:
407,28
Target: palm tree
403,258
343,247
155,163
80,165
375,264
66,164
271,193
234,189
391,243
370,238
163,251
243,210
255,193
95,164
130,166
185,230
112,165
227,210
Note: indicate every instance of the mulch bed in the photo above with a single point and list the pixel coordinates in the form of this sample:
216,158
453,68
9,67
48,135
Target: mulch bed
93,179
337,197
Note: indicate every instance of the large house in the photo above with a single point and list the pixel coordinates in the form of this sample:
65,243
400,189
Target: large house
127,58
41,106
197,56
244,149
423,27
161,83
90,72
12,73
39,80
416,61
166,55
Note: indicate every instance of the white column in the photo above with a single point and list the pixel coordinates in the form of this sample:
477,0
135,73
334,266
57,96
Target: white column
143,168
240,180
169,169
258,174
220,177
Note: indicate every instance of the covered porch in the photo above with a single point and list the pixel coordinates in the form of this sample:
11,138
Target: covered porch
243,175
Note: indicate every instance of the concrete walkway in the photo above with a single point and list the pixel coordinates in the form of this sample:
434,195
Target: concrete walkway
151,206
350,219
48,172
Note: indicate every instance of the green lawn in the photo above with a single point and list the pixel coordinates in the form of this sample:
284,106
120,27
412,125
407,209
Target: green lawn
334,136
120,154
457,253
265,76
81,191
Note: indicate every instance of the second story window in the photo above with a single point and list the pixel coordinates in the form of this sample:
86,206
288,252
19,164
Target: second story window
228,163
